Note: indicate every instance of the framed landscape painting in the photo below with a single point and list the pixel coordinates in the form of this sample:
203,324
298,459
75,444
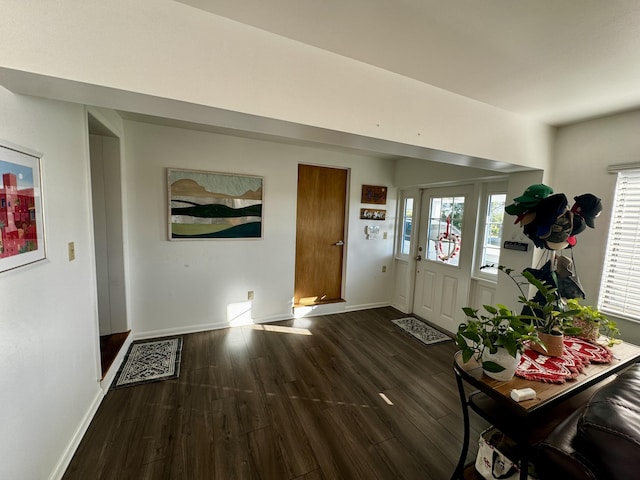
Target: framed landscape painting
21,219
211,205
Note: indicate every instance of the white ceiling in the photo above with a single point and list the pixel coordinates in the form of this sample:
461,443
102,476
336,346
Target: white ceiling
556,61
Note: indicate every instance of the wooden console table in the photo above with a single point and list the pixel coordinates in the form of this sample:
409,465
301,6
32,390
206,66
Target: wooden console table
528,422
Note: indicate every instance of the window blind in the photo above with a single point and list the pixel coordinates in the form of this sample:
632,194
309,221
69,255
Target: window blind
620,286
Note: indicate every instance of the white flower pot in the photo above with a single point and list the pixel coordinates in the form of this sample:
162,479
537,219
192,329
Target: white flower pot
501,357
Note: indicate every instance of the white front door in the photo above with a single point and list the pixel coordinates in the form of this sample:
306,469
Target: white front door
445,255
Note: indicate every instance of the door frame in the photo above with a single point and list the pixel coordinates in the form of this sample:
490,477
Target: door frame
345,239
98,123
405,265
463,271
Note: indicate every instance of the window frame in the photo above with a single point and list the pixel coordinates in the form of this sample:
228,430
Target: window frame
404,196
624,219
430,255
488,189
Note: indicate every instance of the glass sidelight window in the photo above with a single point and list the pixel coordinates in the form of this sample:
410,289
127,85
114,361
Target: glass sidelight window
407,225
492,233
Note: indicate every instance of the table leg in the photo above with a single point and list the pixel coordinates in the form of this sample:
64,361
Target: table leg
457,473
524,461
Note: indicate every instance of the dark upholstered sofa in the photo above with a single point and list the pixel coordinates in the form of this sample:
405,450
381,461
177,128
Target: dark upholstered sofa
599,441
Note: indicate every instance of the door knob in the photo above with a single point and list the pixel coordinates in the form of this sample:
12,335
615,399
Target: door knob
419,257
339,243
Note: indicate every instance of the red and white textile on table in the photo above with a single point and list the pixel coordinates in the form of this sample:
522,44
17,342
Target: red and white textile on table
577,355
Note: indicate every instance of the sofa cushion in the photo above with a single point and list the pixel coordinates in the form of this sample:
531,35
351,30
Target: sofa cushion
609,427
560,454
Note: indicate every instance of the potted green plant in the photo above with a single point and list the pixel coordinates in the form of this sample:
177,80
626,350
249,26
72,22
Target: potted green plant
547,311
495,339
592,322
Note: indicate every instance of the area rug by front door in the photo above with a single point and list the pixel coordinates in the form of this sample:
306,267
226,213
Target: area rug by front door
150,361
419,329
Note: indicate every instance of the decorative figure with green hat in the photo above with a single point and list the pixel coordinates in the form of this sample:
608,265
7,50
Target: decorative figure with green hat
529,199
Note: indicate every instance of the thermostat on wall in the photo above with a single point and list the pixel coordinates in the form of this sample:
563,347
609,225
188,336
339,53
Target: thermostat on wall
372,231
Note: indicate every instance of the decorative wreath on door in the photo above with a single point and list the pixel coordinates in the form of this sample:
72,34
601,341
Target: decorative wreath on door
449,238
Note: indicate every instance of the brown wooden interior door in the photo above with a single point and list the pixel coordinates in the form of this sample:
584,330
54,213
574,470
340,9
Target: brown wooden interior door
320,224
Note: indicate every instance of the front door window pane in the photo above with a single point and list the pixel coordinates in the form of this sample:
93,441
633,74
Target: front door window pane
444,235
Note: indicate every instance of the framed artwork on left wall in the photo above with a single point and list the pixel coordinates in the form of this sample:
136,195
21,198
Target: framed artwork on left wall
211,205
21,217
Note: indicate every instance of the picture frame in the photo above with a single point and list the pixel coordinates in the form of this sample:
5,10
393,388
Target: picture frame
375,194
22,232
372,214
206,205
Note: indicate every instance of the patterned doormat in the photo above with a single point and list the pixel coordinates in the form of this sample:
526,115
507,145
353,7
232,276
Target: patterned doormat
150,361
421,330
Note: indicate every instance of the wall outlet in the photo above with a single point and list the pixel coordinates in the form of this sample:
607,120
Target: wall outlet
250,295
72,251
384,235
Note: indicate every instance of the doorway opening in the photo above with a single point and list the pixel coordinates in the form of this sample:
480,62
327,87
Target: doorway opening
106,195
445,245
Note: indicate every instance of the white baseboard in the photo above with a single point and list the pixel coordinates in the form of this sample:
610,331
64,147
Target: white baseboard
65,460
366,306
167,332
203,327
402,308
332,308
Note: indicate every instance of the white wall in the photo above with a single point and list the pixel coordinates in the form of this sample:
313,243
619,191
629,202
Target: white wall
412,172
583,153
187,285
167,50
49,361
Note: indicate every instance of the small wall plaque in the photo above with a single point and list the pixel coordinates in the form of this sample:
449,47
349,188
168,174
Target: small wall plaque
522,247
372,214
374,194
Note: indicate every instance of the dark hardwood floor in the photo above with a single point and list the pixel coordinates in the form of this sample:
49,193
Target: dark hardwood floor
298,399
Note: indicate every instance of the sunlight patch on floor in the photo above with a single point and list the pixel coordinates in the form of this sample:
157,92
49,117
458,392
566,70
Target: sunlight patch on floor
302,322
239,315
280,329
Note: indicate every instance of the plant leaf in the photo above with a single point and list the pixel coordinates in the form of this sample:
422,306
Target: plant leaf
461,342
466,355
492,367
490,309
470,312
473,336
